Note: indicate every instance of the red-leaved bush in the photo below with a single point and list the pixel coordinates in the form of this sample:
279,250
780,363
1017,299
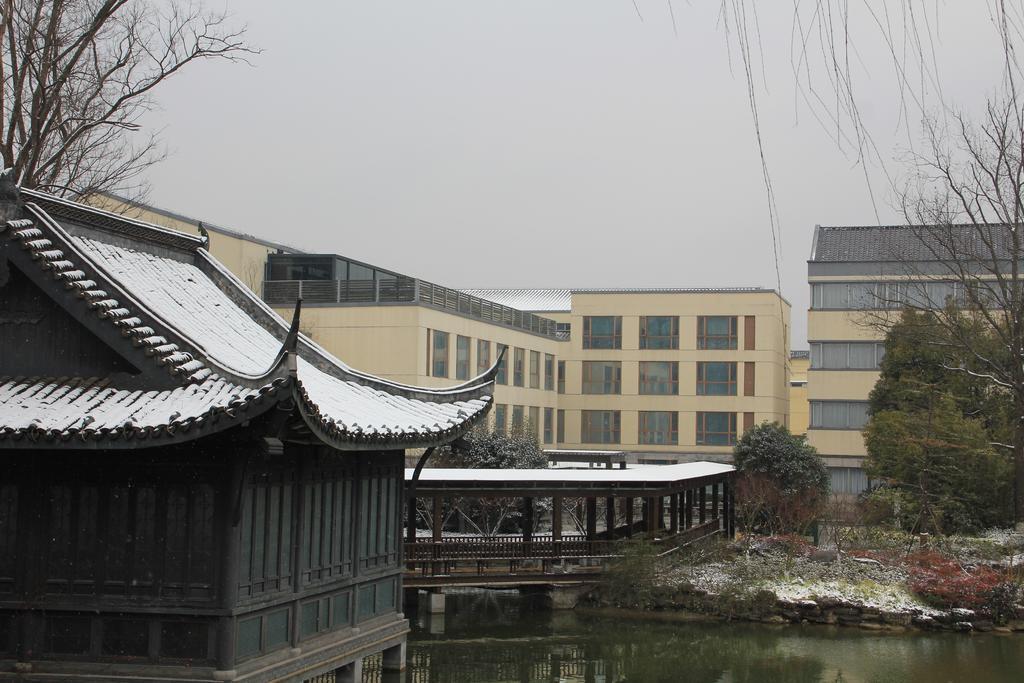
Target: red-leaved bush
944,582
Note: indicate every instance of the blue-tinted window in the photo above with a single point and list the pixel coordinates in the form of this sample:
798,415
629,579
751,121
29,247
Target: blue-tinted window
716,429
659,332
716,332
602,332
716,379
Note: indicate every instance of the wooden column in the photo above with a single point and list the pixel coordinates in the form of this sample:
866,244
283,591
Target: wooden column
688,509
591,518
629,516
730,518
556,518
436,518
702,504
410,522
714,500
652,515
674,513
527,519
609,516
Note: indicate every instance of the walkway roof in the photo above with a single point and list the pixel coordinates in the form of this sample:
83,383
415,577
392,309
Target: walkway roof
636,480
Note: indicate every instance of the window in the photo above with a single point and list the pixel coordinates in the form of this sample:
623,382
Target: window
659,377
517,419
461,357
851,480
602,332
561,376
502,377
659,332
519,360
125,638
560,427
535,369
839,414
716,332
500,418
659,427
563,330
600,426
602,377
716,429
549,427
535,421
716,379
439,367
846,355
483,356
549,372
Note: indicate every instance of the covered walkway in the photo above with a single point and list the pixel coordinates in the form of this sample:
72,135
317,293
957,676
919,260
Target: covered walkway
669,505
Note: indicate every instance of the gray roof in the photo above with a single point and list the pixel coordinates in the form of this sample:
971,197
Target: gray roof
908,243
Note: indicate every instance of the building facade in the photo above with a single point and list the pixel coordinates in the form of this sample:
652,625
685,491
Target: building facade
799,408
664,374
192,490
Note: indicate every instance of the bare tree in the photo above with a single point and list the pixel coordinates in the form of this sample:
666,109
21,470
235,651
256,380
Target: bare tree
78,75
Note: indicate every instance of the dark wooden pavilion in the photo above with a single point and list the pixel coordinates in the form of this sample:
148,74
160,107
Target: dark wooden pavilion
190,490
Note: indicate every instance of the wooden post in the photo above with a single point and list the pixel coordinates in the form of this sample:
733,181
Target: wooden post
609,516
556,518
714,501
527,519
730,519
688,509
591,518
702,504
410,534
438,522
674,513
652,515
629,516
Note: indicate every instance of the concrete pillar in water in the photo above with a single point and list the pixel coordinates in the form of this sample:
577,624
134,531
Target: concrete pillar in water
394,657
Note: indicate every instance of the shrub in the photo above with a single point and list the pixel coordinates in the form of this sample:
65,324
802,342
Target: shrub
783,483
944,582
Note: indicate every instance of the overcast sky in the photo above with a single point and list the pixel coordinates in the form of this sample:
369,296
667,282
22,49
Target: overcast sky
533,143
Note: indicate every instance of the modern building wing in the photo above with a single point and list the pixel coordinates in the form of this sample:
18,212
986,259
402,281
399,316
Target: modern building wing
192,488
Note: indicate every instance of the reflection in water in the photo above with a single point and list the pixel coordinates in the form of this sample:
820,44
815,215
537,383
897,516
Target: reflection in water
499,636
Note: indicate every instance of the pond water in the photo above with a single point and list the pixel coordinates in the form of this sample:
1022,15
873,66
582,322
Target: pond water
499,636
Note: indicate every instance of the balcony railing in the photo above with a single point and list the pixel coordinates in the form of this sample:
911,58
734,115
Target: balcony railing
405,290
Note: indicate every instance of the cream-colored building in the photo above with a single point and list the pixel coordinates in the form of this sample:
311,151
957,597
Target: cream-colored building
664,374
799,408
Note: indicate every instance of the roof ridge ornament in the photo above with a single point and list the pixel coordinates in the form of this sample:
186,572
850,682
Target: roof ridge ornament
205,235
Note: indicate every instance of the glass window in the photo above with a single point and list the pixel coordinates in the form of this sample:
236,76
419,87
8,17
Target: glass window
563,330
502,377
716,332
461,357
602,332
600,426
549,372
535,369
439,353
358,271
602,377
299,267
851,480
549,427
500,418
847,355
535,421
716,379
658,427
561,376
560,427
659,377
483,356
519,360
839,414
716,429
517,418
659,332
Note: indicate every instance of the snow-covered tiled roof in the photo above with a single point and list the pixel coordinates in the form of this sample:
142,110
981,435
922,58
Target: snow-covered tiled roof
225,351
